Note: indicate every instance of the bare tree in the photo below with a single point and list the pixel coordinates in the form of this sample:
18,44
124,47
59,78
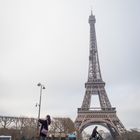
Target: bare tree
62,126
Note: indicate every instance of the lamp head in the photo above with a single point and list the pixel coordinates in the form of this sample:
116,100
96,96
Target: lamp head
39,84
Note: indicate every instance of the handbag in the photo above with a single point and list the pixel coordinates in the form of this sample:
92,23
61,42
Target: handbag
44,131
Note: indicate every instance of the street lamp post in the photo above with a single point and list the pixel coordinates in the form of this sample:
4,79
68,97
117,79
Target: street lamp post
39,105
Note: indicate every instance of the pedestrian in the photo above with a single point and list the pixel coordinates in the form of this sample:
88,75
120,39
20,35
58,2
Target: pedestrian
94,133
44,127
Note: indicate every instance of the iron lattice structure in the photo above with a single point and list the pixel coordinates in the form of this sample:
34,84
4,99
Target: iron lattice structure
106,114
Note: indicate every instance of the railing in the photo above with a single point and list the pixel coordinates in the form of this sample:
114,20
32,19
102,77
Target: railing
96,109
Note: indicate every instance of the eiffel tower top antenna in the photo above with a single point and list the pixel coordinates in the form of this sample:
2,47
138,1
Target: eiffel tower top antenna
91,9
91,6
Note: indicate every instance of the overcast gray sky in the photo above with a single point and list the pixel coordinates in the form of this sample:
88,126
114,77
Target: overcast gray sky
47,41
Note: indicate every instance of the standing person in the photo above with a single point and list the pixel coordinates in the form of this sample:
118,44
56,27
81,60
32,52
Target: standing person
44,127
94,133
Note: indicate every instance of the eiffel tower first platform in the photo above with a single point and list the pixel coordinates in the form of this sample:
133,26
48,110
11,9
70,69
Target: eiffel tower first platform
105,115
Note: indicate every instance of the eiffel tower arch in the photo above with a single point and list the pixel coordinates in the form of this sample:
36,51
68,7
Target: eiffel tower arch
105,115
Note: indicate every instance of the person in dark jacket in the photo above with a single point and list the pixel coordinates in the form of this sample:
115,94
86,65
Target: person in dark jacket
94,132
44,127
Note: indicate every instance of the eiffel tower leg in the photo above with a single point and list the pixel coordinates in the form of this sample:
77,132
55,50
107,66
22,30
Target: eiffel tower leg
79,136
114,134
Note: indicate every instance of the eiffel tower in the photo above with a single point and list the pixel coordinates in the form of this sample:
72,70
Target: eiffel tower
105,115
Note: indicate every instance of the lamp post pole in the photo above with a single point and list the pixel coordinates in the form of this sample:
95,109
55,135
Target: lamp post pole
39,105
